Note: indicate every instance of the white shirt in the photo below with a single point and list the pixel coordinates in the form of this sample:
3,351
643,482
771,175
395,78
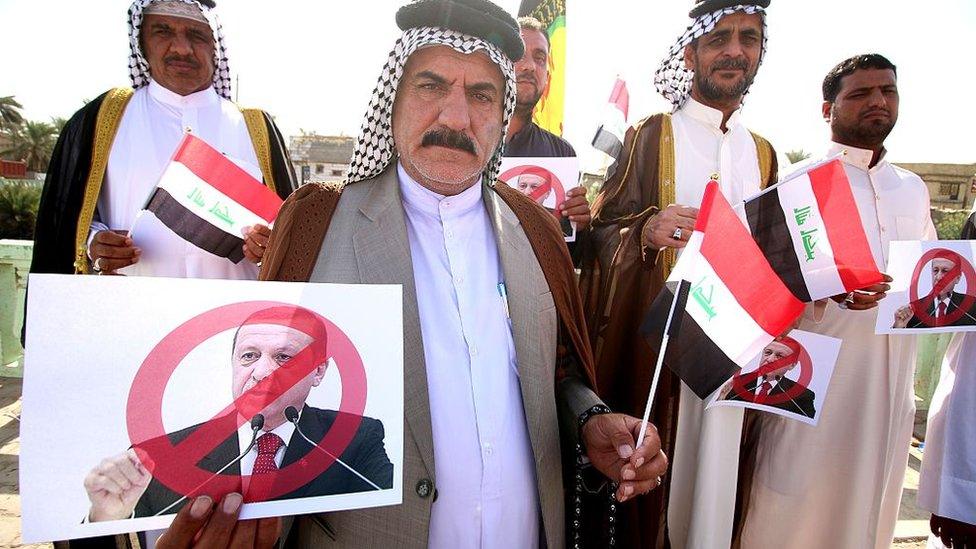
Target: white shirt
703,149
893,202
153,124
772,381
947,486
286,430
484,465
702,499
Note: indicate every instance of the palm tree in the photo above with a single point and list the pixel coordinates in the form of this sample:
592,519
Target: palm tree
32,143
798,155
10,117
58,122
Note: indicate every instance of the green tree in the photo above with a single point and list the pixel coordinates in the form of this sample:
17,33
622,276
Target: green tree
58,122
18,208
33,143
798,155
10,116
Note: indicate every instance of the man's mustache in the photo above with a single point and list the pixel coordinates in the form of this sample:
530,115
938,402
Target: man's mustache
870,112
181,59
731,64
449,139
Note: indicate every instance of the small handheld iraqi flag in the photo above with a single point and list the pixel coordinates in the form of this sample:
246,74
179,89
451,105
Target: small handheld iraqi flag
810,231
734,305
609,137
207,199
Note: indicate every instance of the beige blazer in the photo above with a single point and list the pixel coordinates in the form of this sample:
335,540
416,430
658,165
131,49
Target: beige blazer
367,243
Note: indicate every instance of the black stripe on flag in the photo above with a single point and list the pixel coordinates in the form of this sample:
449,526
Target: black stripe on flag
691,354
194,229
607,142
770,231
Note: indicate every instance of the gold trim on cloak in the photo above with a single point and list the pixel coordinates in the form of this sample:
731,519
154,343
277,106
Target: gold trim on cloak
666,193
258,130
764,150
106,125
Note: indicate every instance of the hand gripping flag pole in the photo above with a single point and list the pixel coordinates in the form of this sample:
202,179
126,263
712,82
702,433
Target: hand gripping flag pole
670,328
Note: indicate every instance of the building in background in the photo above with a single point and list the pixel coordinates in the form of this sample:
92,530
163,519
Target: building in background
321,158
950,185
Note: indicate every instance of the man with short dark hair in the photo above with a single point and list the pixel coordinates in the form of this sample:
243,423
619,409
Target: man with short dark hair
944,306
121,486
524,137
643,215
771,387
839,484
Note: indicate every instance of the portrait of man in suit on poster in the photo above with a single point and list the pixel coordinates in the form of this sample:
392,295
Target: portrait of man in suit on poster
773,387
283,433
946,305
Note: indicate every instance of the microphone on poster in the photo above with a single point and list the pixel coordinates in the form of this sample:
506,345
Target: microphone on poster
257,423
291,414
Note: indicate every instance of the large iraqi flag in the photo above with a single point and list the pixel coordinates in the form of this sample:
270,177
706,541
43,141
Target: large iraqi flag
734,306
207,199
809,229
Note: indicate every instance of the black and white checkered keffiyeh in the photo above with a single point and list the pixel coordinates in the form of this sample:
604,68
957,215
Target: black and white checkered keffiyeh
673,80
374,148
139,67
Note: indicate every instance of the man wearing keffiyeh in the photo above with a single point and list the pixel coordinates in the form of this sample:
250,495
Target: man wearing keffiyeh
111,153
644,214
488,292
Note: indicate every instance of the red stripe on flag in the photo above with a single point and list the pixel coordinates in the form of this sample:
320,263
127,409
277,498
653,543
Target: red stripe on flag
225,176
620,97
737,260
852,253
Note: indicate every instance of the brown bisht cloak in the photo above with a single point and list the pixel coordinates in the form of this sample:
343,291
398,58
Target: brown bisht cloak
619,281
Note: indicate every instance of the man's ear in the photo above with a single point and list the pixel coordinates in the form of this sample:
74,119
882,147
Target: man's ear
826,108
320,373
690,56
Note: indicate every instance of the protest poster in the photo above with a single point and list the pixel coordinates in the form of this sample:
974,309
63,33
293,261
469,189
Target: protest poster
934,288
183,384
790,377
546,181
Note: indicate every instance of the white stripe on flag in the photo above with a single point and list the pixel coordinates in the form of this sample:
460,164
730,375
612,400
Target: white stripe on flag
715,309
807,228
205,201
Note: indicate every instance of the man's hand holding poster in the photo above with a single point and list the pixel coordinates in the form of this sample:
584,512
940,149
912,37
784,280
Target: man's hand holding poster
934,288
789,378
546,181
160,390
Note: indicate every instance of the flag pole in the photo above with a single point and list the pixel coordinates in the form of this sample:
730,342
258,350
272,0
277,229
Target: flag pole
659,365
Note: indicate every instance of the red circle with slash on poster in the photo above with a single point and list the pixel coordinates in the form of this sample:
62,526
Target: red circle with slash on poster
175,464
554,182
801,356
920,306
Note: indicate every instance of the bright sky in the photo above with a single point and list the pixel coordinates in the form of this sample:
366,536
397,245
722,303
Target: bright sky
314,63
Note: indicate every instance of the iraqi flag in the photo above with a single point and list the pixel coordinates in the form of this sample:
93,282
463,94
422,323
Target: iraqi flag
810,231
610,136
734,304
207,199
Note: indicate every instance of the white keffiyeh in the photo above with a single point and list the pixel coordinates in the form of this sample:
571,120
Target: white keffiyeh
374,148
673,80
139,67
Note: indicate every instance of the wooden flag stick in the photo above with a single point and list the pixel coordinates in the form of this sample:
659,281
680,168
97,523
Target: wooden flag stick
660,364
